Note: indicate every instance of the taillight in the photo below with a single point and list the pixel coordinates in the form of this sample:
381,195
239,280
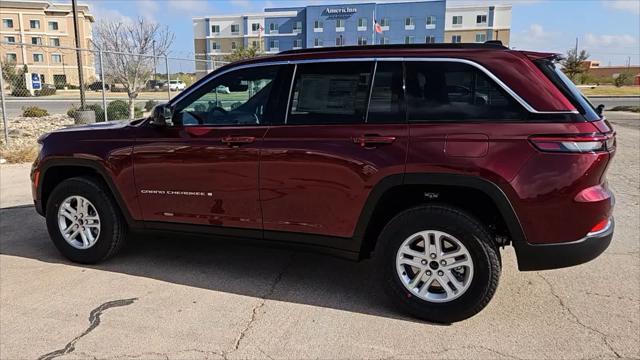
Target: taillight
574,143
600,227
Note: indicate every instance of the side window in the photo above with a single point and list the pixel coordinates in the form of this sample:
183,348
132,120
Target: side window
236,98
449,91
387,100
330,93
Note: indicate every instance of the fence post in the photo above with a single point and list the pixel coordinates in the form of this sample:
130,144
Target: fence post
166,65
4,112
104,93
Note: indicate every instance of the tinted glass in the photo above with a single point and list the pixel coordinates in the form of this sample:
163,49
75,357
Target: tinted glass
236,98
330,93
387,100
446,91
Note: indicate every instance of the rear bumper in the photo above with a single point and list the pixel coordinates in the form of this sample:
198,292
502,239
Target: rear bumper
558,255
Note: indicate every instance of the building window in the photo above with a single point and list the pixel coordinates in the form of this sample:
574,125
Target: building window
317,42
36,40
215,29
215,47
53,25
297,44
10,39
235,29
384,40
255,27
234,45
7,23
56,58
456,39
481,19
34,24
481,37
54,42
318,26
12,57
431,22
385,23
430,39
274,28
254,44
457,20
38,58
340,24
409,24
408,39
339,41
362,24
362,40
274,45
297,27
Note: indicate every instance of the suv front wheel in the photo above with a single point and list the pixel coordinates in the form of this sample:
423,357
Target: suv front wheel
83,221
438,263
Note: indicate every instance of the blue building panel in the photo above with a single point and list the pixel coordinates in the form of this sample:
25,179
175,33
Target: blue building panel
354,24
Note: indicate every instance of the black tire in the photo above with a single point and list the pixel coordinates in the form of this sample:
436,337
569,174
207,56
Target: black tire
112,226
470,232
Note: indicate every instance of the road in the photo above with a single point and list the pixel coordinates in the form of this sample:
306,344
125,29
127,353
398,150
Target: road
193,298
14,107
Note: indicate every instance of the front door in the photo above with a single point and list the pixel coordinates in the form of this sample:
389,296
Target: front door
203,169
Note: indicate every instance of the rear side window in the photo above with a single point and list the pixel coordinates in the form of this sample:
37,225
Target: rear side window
387,99
450,91
568,88
330,93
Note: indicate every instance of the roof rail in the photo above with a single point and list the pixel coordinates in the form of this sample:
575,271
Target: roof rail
486,45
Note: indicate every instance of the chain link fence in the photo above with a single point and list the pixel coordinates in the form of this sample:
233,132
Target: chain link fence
44,82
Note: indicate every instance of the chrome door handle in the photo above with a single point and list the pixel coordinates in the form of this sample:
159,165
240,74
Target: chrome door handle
369,140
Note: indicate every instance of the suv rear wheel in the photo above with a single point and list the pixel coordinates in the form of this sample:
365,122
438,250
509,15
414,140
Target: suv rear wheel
84,222
438,263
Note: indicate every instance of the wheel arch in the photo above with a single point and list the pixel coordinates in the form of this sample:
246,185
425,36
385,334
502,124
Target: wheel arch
54,171
386,199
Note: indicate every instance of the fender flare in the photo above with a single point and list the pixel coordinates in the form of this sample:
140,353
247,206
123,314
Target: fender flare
493,191
82,163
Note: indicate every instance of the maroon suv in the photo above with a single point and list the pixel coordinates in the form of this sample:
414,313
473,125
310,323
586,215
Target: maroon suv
428,157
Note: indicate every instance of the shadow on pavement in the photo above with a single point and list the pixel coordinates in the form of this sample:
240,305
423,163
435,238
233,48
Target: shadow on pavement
219,265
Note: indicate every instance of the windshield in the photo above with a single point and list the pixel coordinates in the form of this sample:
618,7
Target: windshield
569,89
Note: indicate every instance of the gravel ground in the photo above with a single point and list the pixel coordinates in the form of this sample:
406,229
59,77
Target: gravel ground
24,131
179,297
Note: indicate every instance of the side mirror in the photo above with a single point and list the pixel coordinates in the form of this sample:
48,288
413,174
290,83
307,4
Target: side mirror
162,115
599,109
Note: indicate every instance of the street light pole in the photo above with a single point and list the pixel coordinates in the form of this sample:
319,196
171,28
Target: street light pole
78,55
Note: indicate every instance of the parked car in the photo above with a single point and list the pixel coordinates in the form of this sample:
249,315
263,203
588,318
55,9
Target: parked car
378,155
176,85
97,86
223,90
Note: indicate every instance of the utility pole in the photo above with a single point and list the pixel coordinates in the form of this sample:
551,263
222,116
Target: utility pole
74,6
576,46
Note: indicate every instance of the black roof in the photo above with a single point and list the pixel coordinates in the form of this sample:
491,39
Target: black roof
496,45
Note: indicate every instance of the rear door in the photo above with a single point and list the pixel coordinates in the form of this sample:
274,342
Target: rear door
320,162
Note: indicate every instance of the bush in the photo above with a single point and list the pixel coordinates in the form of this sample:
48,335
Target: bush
18,92
95,107
150,104
623,79
45,91
34,111
119,110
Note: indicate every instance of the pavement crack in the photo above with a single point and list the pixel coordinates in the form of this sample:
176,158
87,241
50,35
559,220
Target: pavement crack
576,319
94,322
260,305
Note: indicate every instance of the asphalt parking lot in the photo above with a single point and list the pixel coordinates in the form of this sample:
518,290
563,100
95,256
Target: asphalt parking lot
194,298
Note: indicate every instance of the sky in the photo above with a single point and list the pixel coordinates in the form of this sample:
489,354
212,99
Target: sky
608,29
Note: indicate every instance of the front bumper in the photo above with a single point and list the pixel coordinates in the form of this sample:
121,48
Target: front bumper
558,255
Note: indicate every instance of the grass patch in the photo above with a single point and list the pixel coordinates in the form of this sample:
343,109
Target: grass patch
635,109
611,91
16,155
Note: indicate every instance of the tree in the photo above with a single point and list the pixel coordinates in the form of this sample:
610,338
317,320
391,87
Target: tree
127,49
573,64
242,54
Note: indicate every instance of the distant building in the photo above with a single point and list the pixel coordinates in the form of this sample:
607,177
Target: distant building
39,23
313,26
469,24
